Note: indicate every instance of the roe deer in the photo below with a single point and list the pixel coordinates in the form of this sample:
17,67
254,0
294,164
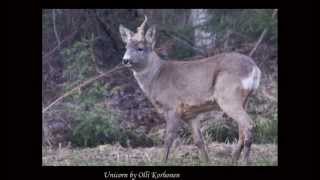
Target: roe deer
181,90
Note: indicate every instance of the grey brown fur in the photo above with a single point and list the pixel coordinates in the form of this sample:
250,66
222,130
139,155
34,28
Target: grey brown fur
181,90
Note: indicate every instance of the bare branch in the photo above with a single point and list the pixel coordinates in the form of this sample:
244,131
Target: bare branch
262,35
66,39
55,28
91,49
78,87
69,37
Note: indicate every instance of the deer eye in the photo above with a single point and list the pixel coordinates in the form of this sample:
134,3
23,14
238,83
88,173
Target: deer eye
140,49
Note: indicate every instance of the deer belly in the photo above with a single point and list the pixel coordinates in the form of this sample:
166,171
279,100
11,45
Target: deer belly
187,111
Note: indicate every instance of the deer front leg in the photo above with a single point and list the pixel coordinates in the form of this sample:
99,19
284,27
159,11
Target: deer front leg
171,132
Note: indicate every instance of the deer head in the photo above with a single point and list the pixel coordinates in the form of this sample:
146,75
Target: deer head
139,45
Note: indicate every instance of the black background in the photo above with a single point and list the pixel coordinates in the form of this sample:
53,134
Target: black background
296,82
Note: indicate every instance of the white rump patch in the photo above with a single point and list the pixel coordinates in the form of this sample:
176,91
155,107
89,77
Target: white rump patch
252,81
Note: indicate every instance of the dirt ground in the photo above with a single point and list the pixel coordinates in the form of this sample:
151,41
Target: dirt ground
181,155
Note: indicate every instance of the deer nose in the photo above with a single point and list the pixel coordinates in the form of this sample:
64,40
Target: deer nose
125,61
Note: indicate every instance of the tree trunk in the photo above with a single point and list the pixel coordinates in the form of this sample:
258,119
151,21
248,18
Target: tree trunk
202,38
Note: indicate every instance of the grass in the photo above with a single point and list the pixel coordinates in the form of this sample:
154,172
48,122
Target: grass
183,155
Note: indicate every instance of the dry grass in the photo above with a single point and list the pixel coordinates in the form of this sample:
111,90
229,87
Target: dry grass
182,155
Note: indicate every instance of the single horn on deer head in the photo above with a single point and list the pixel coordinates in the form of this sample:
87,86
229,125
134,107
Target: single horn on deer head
140,29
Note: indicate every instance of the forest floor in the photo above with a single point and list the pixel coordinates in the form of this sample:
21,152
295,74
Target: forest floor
181,155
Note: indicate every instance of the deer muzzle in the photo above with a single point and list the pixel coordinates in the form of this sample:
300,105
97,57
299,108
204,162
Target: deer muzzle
126,61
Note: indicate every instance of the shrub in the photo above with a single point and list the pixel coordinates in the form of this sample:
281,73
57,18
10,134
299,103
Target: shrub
94,127
221,132
266,130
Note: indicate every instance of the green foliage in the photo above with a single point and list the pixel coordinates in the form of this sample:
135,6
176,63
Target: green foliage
221,132
180,52
92,123
267,130
89,97
78,63
95,127
248,22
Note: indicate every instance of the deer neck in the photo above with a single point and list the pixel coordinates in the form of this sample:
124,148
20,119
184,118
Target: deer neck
146,76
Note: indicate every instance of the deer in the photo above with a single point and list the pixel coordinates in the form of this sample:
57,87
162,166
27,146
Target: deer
182,90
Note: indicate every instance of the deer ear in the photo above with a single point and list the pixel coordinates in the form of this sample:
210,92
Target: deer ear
150,35
125,33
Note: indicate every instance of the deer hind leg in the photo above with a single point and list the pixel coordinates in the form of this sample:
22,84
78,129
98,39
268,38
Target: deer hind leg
231,98
245,124
238,148
172,125
198,140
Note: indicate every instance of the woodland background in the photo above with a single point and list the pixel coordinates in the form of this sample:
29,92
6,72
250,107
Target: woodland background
79,44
